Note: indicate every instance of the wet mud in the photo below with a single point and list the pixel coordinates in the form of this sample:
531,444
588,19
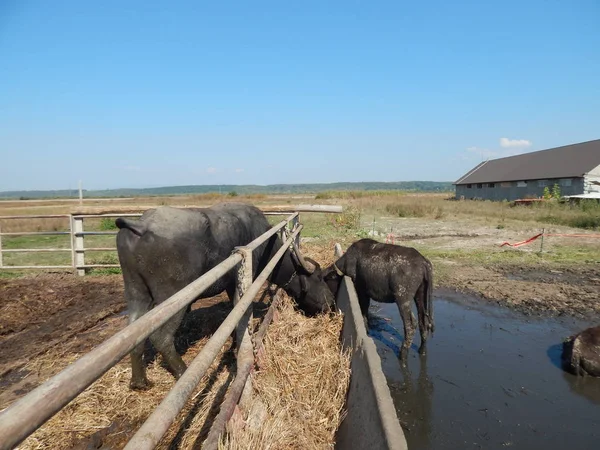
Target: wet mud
491,378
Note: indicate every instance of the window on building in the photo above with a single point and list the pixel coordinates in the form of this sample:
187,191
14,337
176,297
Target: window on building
565,182
543,183
506,184
479,185
491,185
521,183
468,186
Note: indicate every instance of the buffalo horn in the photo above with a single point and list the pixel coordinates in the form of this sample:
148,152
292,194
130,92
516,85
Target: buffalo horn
309,267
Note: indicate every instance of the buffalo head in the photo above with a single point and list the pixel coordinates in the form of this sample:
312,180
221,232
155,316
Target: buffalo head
314,295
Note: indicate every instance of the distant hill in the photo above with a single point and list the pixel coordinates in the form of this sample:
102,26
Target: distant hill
425,186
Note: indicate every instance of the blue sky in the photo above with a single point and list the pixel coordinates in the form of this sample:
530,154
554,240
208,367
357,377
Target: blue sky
140,94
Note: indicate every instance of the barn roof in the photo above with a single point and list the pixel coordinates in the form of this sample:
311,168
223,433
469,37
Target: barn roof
573,160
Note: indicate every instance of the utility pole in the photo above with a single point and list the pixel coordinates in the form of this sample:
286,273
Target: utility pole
80,194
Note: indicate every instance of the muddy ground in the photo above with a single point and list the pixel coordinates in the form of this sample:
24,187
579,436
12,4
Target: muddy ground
537,290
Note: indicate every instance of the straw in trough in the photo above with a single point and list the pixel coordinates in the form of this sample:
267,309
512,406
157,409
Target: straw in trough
300,390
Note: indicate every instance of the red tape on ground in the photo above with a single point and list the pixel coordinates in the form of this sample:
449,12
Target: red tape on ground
573,235
390,238
518,244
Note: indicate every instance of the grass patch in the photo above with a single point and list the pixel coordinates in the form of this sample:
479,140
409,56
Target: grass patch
17,242
102,258
415,210
8,274
558,254
104,271
55,258
585,215
326,227
108,224
328,195
37,259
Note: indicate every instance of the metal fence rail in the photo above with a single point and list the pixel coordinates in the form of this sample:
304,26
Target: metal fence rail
77,233
30,412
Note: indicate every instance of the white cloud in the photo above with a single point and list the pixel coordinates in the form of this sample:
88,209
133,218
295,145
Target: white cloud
211,170
514,143
239,170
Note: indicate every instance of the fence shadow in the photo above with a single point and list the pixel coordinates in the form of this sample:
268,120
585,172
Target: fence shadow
202,322
213,409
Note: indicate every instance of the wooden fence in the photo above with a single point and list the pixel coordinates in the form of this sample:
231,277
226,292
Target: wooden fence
30,412
77,235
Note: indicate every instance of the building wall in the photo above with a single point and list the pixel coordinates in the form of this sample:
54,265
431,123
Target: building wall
515,190
593,175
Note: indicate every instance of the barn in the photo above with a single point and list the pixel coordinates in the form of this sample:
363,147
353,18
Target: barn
574,168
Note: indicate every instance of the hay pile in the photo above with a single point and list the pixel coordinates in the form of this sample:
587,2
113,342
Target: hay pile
108,413
302,384
301,387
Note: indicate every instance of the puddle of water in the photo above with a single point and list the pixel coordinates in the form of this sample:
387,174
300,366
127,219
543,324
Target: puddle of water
491,379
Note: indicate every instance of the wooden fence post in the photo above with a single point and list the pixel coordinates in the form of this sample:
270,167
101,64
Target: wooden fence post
295,223
0,245
245,351
79,245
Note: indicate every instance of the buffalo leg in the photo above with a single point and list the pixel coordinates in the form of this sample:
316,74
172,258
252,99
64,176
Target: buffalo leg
409,321
163,340
423,324
231,293
363,301
138,303
138,371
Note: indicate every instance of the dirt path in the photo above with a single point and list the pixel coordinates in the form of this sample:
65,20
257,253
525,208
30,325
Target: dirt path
41,312
58,312
541,290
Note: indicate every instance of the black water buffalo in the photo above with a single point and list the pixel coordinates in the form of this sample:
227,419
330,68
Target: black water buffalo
389,273
581,353
168,248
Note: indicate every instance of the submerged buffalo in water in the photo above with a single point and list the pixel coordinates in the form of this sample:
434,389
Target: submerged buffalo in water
168,248
581,353
389,273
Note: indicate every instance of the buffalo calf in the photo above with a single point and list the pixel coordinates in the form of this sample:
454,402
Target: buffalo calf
389,273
